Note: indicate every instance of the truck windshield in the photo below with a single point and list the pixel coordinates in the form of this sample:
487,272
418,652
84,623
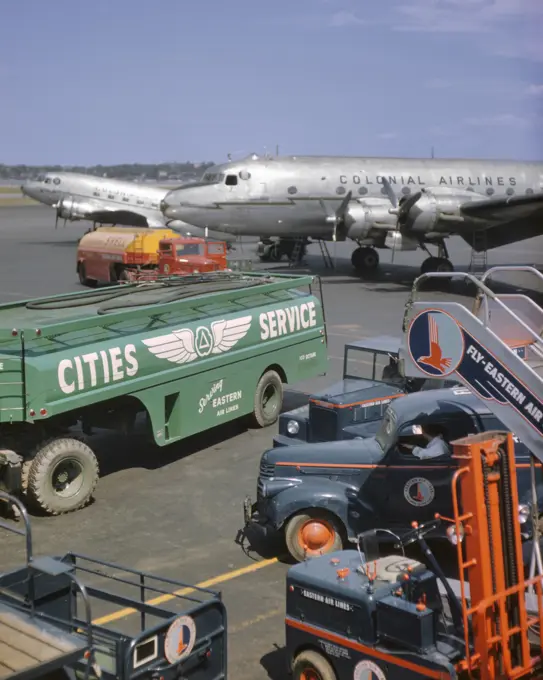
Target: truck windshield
387,432
189,249
363,364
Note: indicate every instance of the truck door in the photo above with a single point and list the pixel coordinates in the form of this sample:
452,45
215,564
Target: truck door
166,259
418,489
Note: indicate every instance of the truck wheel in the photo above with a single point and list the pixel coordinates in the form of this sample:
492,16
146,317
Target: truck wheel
310,665
268,399
83,280
312,533
62,476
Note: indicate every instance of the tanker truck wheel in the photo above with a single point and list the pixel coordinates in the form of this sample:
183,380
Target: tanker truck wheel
62,476
83,280
268,399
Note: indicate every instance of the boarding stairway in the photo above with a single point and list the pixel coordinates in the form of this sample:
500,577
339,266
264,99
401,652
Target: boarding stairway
495,349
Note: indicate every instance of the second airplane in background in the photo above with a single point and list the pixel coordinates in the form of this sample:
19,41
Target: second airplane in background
76,196
393,203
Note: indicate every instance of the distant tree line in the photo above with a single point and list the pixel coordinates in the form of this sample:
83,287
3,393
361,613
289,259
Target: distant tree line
132,171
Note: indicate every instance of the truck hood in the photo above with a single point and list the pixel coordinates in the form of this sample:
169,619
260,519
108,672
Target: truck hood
349,390
346,452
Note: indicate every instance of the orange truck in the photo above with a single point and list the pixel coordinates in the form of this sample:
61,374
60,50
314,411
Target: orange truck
117,254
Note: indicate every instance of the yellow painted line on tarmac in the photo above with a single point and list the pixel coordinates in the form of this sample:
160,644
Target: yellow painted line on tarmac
221,578
257,619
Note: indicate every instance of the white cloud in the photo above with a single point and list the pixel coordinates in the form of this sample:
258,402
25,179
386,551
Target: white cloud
509,28
502,119
343,18
535,90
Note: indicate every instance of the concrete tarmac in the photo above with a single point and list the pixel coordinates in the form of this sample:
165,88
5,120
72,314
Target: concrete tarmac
176,511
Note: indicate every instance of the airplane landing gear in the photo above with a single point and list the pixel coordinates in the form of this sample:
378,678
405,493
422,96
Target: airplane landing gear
441,263
365,259
273,251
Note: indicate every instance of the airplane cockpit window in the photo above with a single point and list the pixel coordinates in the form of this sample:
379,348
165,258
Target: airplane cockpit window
244,174
213,178
47,180
231,180
40,178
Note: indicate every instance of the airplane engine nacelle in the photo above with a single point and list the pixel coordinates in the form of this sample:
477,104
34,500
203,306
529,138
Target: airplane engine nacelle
364,215
71,209
437,207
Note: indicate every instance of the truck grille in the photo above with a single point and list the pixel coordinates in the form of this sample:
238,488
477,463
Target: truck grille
267,470
323,424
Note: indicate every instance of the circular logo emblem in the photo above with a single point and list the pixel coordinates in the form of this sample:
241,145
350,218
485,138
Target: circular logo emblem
367,670
204,341
166,268
419,492
435,342
180,639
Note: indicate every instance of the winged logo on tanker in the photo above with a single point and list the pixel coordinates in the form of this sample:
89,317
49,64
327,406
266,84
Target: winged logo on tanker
184,345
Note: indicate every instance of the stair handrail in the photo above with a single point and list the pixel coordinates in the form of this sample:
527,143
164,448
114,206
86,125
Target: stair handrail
485,290
512,268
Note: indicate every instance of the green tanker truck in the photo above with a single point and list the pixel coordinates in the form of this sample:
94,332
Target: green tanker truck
189,354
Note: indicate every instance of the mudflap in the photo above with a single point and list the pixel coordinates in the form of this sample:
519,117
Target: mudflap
10,471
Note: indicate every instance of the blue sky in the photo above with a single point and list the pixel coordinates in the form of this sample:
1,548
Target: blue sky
107,81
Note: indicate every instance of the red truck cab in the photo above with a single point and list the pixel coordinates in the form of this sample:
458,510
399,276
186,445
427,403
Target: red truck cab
188,255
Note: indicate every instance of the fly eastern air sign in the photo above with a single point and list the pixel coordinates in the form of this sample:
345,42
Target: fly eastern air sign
440,346
183,346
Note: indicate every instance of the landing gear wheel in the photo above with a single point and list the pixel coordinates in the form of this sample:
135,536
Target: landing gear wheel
275,253
365,259
123,276
310,665
312,533
268,399
62,476
436,264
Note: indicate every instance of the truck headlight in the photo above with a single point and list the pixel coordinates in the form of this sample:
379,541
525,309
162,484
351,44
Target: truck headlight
293,427
523,513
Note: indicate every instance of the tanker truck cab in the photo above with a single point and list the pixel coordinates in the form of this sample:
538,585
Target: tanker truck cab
355,405
321,496
190,255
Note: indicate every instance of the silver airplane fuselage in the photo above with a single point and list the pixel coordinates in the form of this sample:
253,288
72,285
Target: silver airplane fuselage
284,196
77,196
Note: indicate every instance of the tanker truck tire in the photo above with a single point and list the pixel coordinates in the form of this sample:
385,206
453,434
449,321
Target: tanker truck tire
268,399
62,476
83,280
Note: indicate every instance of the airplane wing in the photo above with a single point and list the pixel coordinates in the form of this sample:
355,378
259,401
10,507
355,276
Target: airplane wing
129,217
508,220
504,209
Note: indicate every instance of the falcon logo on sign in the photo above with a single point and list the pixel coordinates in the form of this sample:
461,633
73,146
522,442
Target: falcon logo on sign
180,639
367,670
436,343
184,346
419,492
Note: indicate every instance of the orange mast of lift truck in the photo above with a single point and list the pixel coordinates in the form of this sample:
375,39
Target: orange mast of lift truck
502,641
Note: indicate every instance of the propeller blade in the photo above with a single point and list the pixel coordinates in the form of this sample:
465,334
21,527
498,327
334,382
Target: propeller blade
56,218
390,193
340,212
409,203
